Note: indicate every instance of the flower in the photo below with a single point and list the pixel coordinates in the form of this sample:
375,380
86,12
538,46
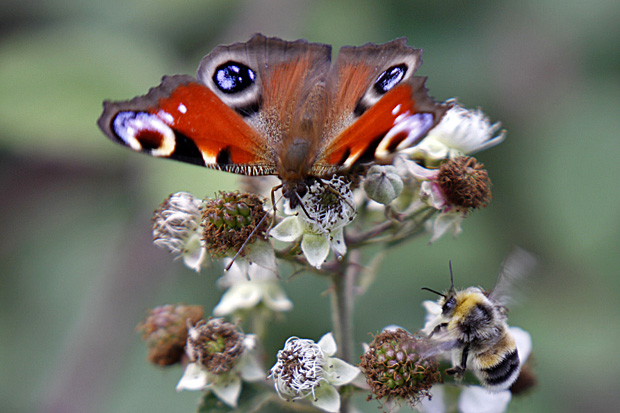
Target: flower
176,227
460,132
220,357
319,219
165,332
305,368
395,371
248,285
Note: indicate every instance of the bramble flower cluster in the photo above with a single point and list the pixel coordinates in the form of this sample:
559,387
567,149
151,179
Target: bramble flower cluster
426,189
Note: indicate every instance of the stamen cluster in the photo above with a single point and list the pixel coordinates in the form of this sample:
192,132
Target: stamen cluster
299,368
215,345
329,205
176,221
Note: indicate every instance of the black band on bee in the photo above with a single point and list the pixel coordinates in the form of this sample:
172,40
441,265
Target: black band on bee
502,371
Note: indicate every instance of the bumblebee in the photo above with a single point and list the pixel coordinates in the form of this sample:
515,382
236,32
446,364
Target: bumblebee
472,327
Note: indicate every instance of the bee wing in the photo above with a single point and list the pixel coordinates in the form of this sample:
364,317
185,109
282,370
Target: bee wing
516,267
440,342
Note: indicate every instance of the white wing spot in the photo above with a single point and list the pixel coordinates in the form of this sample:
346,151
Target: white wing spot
396,109
166,117
182,108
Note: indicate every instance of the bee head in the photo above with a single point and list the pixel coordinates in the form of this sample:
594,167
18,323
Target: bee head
448,302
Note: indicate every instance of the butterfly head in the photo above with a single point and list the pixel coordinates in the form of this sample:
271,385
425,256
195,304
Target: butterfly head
295,190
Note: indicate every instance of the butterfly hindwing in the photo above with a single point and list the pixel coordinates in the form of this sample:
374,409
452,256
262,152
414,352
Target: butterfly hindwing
375,90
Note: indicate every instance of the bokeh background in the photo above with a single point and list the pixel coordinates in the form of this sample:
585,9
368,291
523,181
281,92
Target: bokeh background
78,270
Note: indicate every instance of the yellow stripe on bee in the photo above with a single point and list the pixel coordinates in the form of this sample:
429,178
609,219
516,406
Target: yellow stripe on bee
496,354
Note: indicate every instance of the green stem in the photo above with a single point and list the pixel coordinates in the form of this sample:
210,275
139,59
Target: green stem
342,309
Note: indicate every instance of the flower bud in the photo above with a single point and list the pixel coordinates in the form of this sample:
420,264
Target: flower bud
383,184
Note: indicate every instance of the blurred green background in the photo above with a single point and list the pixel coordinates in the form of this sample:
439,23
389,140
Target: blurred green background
78,270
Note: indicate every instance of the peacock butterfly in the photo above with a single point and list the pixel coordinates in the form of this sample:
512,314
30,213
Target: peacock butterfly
275,107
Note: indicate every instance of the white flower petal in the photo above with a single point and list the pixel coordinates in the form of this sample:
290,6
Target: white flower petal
433,316
360,382
418,171
340,372
228,390
327,398
194,254
524,342
328,344
288,230
194,378
436,403
476,399
262,254
250,369
275,298
315,249
460,132
239,296
338,245
444,222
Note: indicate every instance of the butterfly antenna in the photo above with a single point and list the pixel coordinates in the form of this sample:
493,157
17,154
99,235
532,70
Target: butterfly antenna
248,239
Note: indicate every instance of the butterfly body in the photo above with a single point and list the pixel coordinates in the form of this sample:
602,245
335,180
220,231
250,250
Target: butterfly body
274,107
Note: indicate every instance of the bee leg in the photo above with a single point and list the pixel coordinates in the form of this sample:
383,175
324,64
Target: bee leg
459,370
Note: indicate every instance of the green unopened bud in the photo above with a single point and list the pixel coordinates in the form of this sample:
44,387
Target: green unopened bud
231,220
383,184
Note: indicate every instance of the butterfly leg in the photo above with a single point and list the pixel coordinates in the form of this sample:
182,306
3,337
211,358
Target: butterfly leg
273,204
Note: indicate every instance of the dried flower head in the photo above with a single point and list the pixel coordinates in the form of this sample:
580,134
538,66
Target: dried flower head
394,370
465,183
231,220
176,227
165,332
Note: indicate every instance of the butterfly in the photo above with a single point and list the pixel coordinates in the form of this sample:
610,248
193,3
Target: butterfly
275,107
